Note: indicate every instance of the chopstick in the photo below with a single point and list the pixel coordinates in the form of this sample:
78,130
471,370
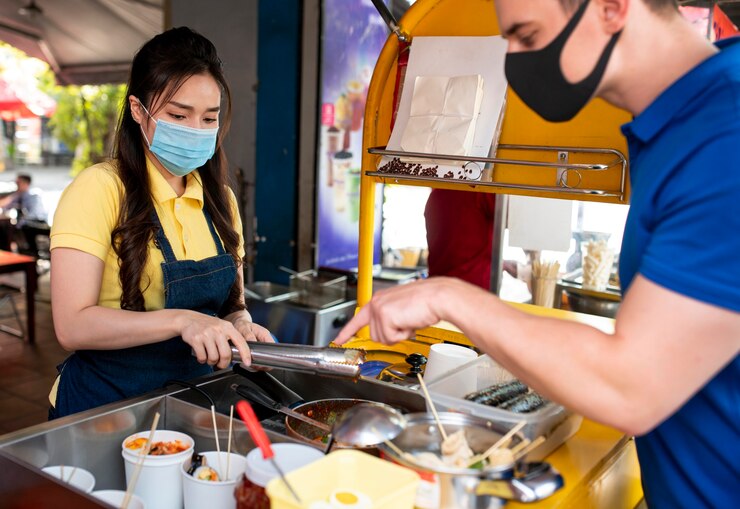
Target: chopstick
431,405
228,447
501,442
215,435
139,464
520,446
71,475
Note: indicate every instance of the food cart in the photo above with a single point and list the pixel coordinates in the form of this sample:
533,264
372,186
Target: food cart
599,464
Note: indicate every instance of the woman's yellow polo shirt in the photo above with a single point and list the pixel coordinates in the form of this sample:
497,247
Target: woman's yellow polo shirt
88,213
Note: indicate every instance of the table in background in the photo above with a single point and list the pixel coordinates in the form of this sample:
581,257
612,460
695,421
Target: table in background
12,262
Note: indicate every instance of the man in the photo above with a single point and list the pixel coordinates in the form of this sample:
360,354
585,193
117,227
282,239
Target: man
30,213
670,373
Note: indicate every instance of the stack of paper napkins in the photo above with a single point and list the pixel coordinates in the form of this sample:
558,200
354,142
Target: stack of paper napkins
444,111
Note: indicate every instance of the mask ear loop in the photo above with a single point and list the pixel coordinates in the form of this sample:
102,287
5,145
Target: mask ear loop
149,145
563,182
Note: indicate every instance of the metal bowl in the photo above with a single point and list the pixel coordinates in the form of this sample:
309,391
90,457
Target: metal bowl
592,305
468,488
421,434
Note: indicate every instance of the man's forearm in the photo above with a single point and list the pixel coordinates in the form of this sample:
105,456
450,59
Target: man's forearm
595,374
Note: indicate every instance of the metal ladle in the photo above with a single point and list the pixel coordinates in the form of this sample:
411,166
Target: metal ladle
368,424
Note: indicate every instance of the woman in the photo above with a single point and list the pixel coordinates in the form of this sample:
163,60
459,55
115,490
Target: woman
147,281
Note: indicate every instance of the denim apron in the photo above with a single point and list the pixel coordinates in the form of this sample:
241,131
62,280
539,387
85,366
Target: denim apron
90,378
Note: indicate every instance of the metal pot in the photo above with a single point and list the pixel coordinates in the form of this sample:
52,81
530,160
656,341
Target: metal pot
323,410
582,303
469,488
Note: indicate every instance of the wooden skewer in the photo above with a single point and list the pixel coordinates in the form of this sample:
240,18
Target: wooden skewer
529,448
139,464
71,475
431,405
228,447
500,443
215,435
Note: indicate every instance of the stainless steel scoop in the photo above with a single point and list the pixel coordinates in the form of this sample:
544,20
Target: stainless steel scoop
368,424
328,361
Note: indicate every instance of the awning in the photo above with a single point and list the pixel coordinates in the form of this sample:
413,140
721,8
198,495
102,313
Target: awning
84,41
24,102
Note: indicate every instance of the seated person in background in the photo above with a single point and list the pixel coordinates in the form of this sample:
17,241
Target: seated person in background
30,219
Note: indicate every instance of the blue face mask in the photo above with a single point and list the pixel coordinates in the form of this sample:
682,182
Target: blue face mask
181,149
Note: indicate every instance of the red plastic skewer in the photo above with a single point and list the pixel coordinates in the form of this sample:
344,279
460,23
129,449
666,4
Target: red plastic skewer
245,411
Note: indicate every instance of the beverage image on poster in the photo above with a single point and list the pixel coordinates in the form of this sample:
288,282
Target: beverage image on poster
353,36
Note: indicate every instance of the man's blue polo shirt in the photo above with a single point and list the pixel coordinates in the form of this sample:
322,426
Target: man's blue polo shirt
683,233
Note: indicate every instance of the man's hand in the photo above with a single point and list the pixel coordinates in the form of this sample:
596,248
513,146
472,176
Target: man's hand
395,314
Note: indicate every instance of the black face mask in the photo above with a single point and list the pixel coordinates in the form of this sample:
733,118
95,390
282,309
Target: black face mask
537,78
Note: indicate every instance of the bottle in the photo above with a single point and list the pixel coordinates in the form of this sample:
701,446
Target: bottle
250,492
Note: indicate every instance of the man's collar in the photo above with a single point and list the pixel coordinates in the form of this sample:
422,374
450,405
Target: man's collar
681,93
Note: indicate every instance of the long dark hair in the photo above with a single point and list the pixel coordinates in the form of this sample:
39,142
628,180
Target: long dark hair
159,68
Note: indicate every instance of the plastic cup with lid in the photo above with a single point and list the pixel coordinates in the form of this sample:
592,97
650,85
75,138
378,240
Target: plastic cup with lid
444,357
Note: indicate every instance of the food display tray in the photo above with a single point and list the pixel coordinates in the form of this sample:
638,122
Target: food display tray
553,421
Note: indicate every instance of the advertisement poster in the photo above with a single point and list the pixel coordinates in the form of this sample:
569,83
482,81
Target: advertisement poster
353,34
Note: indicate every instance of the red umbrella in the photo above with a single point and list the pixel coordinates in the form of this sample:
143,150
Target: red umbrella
25,102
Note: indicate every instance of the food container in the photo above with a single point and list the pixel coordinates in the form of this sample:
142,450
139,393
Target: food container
555,423
584,303
160,481
116,497
451,487
198,493
77,477
259,472
326,411
316,290
388,486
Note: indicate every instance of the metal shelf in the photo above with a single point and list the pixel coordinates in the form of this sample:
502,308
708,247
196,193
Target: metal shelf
563,165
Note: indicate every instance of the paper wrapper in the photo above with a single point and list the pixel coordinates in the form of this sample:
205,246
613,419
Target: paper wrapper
444,111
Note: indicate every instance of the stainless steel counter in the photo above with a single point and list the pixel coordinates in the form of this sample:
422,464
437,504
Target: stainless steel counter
92,439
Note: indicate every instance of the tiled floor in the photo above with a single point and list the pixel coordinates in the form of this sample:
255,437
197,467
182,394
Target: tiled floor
27,371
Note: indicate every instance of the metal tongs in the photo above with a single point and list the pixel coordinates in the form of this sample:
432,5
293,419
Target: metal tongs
338,362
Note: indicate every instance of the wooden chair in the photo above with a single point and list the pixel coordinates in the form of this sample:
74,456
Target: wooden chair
7,294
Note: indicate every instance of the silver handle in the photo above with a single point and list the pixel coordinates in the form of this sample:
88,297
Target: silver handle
341,362
539,482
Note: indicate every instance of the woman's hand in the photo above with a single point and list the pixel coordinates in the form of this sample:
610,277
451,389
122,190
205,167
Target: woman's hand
242,321
209,338
251,331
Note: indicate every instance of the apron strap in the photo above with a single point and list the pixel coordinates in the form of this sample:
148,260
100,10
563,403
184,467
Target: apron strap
160,240
216,239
